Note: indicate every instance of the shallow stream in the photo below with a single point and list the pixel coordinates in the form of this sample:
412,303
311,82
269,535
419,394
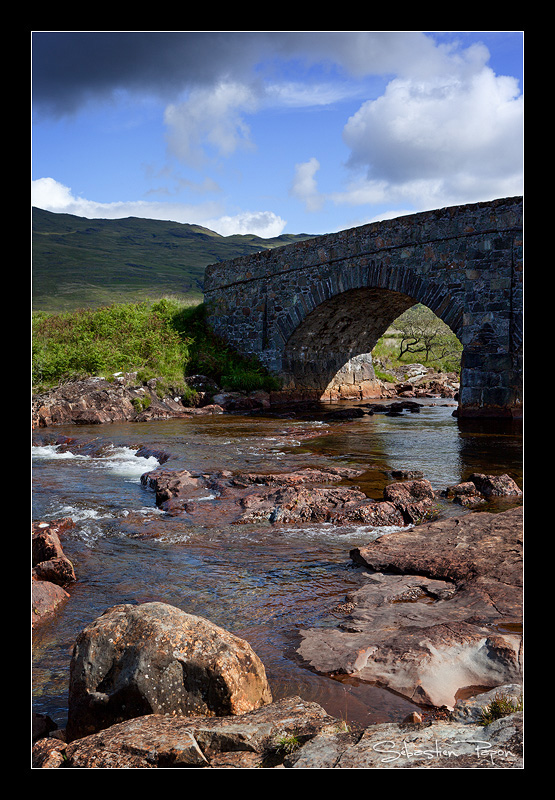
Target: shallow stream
261,582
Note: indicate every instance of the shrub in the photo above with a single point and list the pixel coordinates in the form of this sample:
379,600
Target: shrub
499,707
162,340
210,356
116,338
141,403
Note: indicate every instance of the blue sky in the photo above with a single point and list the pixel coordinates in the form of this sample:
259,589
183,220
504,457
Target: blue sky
271,132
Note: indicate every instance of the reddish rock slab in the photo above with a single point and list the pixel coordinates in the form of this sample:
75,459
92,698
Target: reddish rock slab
45,598
49,754
288,734
49,562
51,571
476,546
55,570
495,485
99,401
304,505
156,741
441,610
169,484
297,497
478,489
300,477
45,543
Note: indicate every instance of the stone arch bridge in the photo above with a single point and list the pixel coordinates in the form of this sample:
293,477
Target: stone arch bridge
312,311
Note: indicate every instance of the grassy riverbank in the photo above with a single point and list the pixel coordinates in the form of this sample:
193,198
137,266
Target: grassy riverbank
165,339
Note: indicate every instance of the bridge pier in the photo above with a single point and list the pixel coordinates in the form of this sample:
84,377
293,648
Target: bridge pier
491,385
311,311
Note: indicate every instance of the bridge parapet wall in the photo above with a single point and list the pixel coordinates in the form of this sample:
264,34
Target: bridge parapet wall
315,304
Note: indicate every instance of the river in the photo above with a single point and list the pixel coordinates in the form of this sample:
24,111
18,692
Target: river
261,582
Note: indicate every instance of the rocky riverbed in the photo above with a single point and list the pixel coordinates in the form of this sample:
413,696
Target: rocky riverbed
151,686
121,397
440,614
294,734
437,620
154,687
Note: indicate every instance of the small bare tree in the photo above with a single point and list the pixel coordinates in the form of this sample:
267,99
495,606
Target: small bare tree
424,333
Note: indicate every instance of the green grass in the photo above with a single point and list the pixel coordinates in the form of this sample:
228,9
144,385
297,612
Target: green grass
387,351
287,743
444,355
381,374
165,339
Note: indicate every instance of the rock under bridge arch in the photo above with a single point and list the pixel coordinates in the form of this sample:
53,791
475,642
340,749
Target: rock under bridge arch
308,309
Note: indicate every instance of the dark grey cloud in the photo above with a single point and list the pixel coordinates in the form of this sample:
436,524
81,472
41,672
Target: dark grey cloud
70,68
73,67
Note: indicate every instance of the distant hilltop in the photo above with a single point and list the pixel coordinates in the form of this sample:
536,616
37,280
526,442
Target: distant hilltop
80,262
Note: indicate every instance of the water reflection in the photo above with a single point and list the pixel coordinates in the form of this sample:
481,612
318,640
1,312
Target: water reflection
492,446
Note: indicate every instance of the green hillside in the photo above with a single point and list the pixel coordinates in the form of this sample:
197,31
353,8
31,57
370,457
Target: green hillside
86,263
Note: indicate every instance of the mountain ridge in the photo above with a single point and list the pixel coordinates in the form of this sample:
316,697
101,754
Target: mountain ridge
81,262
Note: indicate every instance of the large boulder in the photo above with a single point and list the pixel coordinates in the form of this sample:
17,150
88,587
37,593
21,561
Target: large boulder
156,659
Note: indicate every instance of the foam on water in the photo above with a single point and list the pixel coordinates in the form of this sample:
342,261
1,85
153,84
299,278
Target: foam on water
51,452
124,462
121,461
354,534
92,511
81,514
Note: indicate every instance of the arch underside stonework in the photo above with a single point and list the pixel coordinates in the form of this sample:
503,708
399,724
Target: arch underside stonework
331,346
313,311
340,329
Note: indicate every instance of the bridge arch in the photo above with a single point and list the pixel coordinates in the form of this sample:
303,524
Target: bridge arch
332,343
309,308
397,287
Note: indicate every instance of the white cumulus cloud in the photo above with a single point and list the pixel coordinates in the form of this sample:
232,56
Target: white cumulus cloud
265,224
50,195
53,196
457,135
